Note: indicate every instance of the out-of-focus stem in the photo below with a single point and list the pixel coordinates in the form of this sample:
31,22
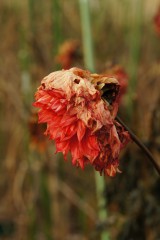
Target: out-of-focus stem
57,36
56,25
89,64
133,40
86,35
46,202
45,199
31,4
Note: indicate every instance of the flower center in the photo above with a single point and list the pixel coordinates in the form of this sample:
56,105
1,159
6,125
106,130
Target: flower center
110,92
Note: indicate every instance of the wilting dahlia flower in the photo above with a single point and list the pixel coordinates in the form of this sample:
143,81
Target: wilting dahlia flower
80,109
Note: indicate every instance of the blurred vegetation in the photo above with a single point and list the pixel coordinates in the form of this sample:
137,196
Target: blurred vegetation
41,196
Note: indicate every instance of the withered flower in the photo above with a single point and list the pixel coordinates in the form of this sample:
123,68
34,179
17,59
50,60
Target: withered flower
80,109
67,53
157,21
37,138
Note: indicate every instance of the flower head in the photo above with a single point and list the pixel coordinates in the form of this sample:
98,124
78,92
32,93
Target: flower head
80,109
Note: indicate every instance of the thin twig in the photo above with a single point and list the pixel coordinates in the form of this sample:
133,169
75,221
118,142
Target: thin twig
141,145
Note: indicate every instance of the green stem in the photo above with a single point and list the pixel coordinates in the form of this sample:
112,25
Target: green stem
56,25
31,4
134,41
46,203
35,15
86,35
89,64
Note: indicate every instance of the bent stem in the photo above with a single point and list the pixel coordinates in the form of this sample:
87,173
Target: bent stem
141,145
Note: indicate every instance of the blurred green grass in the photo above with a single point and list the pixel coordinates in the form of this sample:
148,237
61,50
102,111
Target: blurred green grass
34,200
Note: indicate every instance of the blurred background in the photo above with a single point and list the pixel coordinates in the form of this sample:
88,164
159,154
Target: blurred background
43,197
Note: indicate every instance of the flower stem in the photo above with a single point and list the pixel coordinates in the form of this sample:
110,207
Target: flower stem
141,145
133,38
86,35
89,64
56,25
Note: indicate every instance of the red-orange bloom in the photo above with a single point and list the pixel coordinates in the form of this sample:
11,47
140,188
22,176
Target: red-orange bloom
79,118
157,21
